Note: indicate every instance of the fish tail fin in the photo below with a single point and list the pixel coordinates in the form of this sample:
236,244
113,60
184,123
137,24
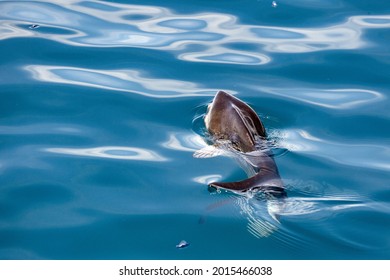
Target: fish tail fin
258,181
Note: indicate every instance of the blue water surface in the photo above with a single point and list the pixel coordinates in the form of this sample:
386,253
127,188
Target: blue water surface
102,106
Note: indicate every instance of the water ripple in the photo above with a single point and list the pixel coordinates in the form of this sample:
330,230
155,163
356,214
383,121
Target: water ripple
48,128
207,179
91,24
353,154
132,81
336,99
184,142
112,152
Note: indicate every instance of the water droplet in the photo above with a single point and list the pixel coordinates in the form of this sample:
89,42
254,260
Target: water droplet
182,244
34,26
274,4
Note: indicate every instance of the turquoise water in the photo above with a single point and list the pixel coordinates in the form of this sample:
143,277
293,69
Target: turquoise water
101,106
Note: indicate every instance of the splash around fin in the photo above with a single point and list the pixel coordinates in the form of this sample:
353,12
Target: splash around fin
208,152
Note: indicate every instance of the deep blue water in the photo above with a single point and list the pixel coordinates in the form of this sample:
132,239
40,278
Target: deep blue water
101,106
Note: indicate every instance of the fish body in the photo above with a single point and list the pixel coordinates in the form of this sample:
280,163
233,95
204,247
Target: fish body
235,128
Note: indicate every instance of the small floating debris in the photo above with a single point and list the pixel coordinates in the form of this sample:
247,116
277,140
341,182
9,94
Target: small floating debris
274,4
182,244
34,26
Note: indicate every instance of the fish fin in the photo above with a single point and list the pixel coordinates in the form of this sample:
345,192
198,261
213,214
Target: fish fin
259,181
248,167
240,186
251,161
208,152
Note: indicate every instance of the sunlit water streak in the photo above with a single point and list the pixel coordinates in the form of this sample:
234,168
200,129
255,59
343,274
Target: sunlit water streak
160,28
353,154
113,152
335,99
116,80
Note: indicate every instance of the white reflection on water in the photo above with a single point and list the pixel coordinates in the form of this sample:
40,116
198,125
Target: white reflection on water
112,152
226,56
207,179
92,24
339,99
353,154
184,142
266,215
132,81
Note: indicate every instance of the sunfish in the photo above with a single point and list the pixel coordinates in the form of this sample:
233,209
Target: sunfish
235,129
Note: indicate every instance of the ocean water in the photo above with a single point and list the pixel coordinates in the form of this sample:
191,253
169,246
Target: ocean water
102,106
